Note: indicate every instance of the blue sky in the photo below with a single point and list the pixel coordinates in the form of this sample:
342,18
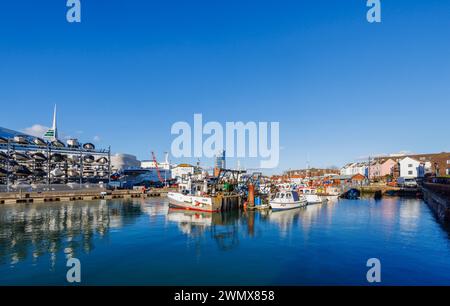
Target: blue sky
340,87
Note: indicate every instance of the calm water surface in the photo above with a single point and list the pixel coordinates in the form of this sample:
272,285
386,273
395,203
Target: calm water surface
138,242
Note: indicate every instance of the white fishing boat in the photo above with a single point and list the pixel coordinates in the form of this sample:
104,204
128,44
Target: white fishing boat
191,202
311,196
333,191
179,197
287,200
190,198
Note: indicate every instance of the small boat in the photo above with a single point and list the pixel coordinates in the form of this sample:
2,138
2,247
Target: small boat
332,191
58,143
22,171
13,163
88,174
287,200
102,160
20,156
89,146
73,143
311,196
39,141
3,156
3,140
352,194
74,159
39,173
39,156
21,139
3,172
102,173
56,172
88,159
73,173
57,158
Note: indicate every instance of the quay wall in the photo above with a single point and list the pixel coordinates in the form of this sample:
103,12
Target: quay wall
76,195
438,199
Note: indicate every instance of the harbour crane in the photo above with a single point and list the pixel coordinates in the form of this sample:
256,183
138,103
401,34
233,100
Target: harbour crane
157,168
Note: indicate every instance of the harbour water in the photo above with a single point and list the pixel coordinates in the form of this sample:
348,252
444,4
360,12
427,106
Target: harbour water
142,242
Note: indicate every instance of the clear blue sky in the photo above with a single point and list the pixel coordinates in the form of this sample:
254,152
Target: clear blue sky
340,87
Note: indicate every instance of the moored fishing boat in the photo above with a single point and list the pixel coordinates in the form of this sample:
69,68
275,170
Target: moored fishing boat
311,196
287,200
191,202
190,197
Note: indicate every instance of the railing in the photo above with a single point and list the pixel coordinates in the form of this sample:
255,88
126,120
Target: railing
24,188
440,185
438,180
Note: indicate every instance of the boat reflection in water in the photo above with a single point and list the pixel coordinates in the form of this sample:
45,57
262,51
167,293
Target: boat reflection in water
143,242
286,219
69,228
221,226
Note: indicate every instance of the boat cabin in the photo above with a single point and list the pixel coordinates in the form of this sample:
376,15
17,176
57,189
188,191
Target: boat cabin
286,196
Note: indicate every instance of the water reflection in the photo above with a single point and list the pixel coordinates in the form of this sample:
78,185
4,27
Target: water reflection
172,246
39,229
222,227
286,219
189,222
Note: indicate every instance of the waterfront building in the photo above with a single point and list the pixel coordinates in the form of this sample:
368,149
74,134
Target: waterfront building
387,167
361,168
161,165
310,172
359,179
375,170
347,169
381,168
411,168
220,162
296,179
121,161
437,164
356,179
182,171
44,159
355,168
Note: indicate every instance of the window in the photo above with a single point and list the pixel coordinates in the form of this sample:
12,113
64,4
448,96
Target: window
410,173
410,166
448,171
448,162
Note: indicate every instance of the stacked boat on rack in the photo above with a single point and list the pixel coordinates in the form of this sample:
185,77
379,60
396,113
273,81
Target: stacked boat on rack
34,160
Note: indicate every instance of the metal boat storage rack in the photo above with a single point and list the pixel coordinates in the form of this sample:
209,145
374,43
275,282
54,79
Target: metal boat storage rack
52,163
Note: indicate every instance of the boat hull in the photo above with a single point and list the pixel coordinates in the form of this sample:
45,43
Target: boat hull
286,206
313,199
189,202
